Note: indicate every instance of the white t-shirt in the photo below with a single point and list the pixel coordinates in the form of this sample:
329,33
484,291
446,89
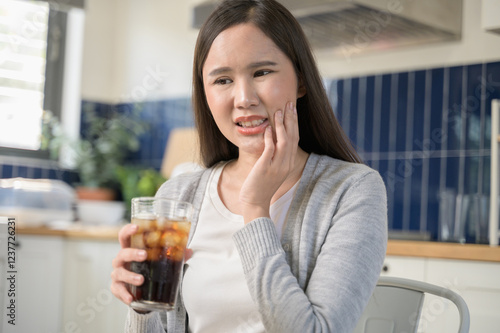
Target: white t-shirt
214,289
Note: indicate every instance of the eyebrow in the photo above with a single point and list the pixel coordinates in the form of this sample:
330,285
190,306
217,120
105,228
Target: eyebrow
253,65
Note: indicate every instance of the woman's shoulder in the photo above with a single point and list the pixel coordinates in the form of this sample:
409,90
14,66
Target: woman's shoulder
334,175
183,183
326,166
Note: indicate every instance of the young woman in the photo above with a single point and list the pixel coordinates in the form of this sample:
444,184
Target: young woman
290,229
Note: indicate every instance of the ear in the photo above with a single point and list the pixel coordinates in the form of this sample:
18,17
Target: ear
301,90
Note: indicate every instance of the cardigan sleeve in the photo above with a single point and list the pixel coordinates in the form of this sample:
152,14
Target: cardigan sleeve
343,274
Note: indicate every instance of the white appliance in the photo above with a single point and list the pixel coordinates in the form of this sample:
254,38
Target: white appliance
35,202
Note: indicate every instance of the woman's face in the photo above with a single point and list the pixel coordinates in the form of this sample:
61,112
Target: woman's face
247,78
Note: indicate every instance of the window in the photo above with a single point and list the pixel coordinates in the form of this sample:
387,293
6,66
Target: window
32,66
23,50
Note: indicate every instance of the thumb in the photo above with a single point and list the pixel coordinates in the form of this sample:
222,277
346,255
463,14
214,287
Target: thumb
188,254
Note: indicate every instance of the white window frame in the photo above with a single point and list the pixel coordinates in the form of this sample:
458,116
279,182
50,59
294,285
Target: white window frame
63,81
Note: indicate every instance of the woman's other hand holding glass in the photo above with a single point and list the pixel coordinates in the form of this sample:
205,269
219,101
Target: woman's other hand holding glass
120,275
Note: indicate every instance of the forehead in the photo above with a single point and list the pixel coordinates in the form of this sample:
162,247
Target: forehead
240,45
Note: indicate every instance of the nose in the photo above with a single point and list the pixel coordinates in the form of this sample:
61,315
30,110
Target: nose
245,95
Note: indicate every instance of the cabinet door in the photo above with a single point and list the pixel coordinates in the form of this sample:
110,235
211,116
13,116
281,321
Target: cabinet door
404,267
478,283
89,305
38,282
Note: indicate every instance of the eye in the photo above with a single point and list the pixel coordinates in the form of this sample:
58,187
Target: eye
222,81
262,72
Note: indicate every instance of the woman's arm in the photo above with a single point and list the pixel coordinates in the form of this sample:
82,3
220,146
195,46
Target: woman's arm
343,275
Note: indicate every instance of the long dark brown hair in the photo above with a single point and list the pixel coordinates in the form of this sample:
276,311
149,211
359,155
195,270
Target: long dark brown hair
319,130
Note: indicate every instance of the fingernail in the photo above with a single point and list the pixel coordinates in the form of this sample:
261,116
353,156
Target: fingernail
295,110
141,254
279,114
137,278
290,106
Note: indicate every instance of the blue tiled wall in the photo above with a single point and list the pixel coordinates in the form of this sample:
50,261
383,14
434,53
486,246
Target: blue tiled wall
162,116
10,170
428,134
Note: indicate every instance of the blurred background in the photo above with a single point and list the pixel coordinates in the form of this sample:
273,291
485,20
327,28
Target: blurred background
96,94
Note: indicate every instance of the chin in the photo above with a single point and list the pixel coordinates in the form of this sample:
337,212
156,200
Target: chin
253,148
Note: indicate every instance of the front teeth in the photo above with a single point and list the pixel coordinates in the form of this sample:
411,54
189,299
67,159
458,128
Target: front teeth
252,123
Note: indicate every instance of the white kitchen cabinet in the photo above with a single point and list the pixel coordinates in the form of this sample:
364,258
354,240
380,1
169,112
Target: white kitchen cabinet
476,281
62,286
404,267
39,263
489,12
89,305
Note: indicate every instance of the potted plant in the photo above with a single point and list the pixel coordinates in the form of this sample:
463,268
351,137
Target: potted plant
105,142
138,182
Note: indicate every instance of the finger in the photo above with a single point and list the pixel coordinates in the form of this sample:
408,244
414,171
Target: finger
291,123
285,137
125,233
281,137
288,116
128,255
121,274
292,129
268,153
120,291
279,126
188,254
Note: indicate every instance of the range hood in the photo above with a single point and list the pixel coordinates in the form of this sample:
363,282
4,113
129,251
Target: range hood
355,26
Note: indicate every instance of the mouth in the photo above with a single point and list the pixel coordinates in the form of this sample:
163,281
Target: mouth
252,123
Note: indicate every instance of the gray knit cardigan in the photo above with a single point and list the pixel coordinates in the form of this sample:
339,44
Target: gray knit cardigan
319,276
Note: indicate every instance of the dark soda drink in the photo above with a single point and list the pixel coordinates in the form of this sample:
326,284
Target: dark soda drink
165,242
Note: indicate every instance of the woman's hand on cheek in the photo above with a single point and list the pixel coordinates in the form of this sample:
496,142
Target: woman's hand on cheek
273,166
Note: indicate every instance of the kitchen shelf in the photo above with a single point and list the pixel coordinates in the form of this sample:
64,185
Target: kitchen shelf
77,231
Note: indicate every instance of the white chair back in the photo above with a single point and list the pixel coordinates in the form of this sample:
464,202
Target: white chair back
396,304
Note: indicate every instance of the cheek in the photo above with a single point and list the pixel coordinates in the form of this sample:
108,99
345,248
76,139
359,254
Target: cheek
217,105
214,100
277,93
209,95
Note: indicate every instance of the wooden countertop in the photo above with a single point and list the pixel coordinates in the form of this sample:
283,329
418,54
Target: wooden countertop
75,231
394,247
441,250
